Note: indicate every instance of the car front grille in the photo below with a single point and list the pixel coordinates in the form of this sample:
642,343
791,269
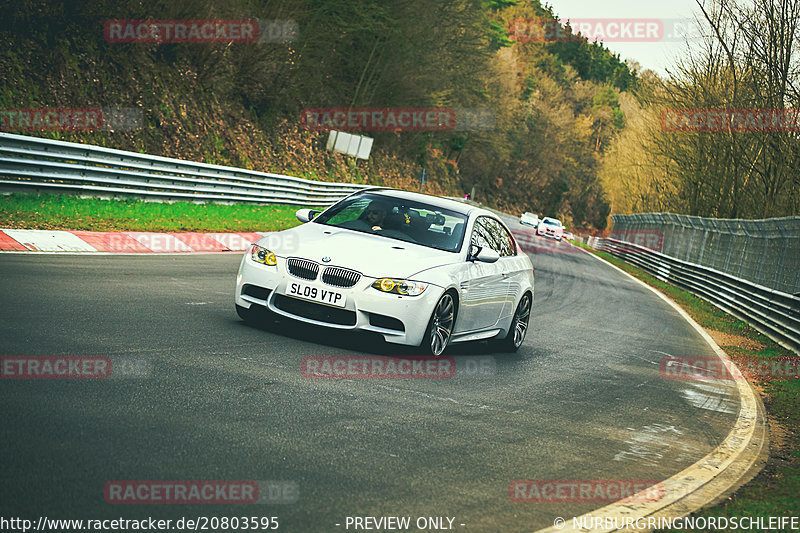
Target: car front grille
302,268
340,277
314,311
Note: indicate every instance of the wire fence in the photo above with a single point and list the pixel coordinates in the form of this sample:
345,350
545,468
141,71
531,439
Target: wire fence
765,252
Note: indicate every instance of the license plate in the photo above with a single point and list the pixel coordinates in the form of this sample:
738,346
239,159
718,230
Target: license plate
316,294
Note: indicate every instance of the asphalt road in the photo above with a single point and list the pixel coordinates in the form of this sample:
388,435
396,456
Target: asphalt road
220,400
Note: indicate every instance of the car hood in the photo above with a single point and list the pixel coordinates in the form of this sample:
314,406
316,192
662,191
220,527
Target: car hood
372,255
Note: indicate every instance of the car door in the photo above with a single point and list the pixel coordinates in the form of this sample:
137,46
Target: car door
512,266
484,291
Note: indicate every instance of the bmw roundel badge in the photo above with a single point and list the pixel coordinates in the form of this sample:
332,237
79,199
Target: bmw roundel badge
326,259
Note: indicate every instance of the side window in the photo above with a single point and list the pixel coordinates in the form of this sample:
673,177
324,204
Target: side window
489,232
502,237
480,235
349,213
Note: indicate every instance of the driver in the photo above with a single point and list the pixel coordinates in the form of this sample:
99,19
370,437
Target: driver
375,215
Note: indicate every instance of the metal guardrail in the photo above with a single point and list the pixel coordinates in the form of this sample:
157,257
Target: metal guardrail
36,164
774,313
766,252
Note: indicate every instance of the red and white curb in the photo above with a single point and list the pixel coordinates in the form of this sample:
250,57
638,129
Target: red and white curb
126,242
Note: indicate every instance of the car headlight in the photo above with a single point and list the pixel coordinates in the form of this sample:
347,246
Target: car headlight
400,286
263,256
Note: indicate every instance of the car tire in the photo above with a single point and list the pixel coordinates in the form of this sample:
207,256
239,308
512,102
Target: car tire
519,326
440,326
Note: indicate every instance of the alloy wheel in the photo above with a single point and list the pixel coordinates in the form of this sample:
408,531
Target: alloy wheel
442,324
521,320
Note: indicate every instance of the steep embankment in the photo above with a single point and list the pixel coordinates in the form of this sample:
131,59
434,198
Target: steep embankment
553,105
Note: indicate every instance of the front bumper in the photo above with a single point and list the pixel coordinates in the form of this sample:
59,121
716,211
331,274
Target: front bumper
553,234
366,308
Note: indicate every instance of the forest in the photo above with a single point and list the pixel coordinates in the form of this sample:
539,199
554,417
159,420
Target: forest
747,68
568,129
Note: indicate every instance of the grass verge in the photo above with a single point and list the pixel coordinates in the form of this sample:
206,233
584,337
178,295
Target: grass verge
66,212
775,491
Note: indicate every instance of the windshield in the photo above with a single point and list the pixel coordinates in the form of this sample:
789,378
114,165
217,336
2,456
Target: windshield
552,222
395,218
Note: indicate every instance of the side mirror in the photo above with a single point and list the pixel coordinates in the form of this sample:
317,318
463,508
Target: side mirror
305,215
487,255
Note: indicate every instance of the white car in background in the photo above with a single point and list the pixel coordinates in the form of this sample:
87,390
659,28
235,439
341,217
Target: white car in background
531,219
551,227
417,269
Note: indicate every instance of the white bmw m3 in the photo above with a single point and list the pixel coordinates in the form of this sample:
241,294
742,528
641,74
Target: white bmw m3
417,269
